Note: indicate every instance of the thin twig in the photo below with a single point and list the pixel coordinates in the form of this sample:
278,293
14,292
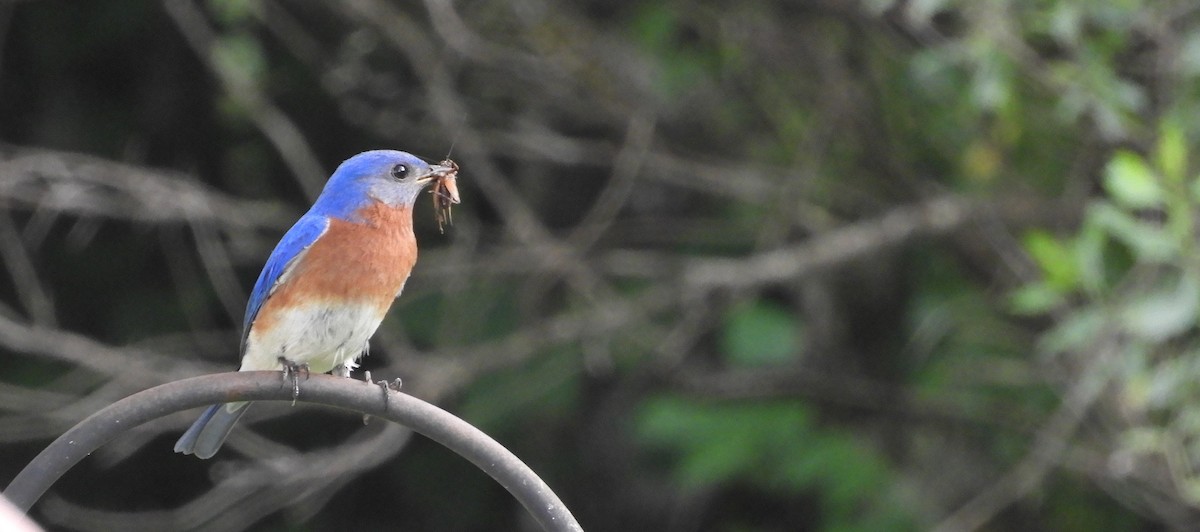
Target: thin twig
33,296
276,126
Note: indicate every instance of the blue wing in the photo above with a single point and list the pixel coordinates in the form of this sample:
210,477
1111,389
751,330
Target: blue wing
295,242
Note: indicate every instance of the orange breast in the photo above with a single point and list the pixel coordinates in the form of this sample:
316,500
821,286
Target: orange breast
365,263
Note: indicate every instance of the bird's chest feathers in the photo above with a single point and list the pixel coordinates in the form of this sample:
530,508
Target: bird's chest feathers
329,302
365,261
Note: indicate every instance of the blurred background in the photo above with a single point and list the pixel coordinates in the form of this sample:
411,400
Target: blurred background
827,265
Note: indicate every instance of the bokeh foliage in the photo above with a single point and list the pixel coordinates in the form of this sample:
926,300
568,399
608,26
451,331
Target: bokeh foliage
822,265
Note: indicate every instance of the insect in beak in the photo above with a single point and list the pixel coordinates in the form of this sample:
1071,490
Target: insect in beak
445,190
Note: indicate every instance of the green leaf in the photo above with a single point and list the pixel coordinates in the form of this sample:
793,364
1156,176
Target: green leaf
1073,332
241,58
232,12
1055,258
1166,312
1189,55
1090,257
1172,151
1066,22
759,333
992,77
777,446
716,443
1034,299
1147,241
1131,182
1191,489
654,25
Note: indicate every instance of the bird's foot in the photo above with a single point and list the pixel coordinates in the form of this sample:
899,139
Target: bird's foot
385,386
291,372
343,370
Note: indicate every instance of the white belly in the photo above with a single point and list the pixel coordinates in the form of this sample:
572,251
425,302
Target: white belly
323,336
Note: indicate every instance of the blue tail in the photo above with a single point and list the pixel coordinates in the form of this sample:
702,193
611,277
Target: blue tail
207,434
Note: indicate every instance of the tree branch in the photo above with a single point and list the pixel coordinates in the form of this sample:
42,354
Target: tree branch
435,423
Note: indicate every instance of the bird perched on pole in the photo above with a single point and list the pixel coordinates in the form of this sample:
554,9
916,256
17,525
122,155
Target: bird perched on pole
330,280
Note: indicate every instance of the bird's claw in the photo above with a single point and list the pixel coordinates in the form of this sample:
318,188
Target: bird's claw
291,372
385,386
394,385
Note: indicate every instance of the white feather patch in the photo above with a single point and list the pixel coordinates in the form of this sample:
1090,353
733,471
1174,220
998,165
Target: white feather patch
322,335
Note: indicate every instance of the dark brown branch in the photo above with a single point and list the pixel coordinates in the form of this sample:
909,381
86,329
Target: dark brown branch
934,217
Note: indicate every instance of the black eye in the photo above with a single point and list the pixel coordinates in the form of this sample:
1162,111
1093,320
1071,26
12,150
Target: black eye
400,172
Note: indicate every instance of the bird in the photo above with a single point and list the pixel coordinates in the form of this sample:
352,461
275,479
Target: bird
329,282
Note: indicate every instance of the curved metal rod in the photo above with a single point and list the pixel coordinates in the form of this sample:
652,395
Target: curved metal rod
424,418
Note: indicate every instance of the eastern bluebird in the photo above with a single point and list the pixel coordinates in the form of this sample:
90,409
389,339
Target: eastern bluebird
330,280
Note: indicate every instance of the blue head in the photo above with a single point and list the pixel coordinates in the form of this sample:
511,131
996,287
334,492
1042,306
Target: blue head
392,177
